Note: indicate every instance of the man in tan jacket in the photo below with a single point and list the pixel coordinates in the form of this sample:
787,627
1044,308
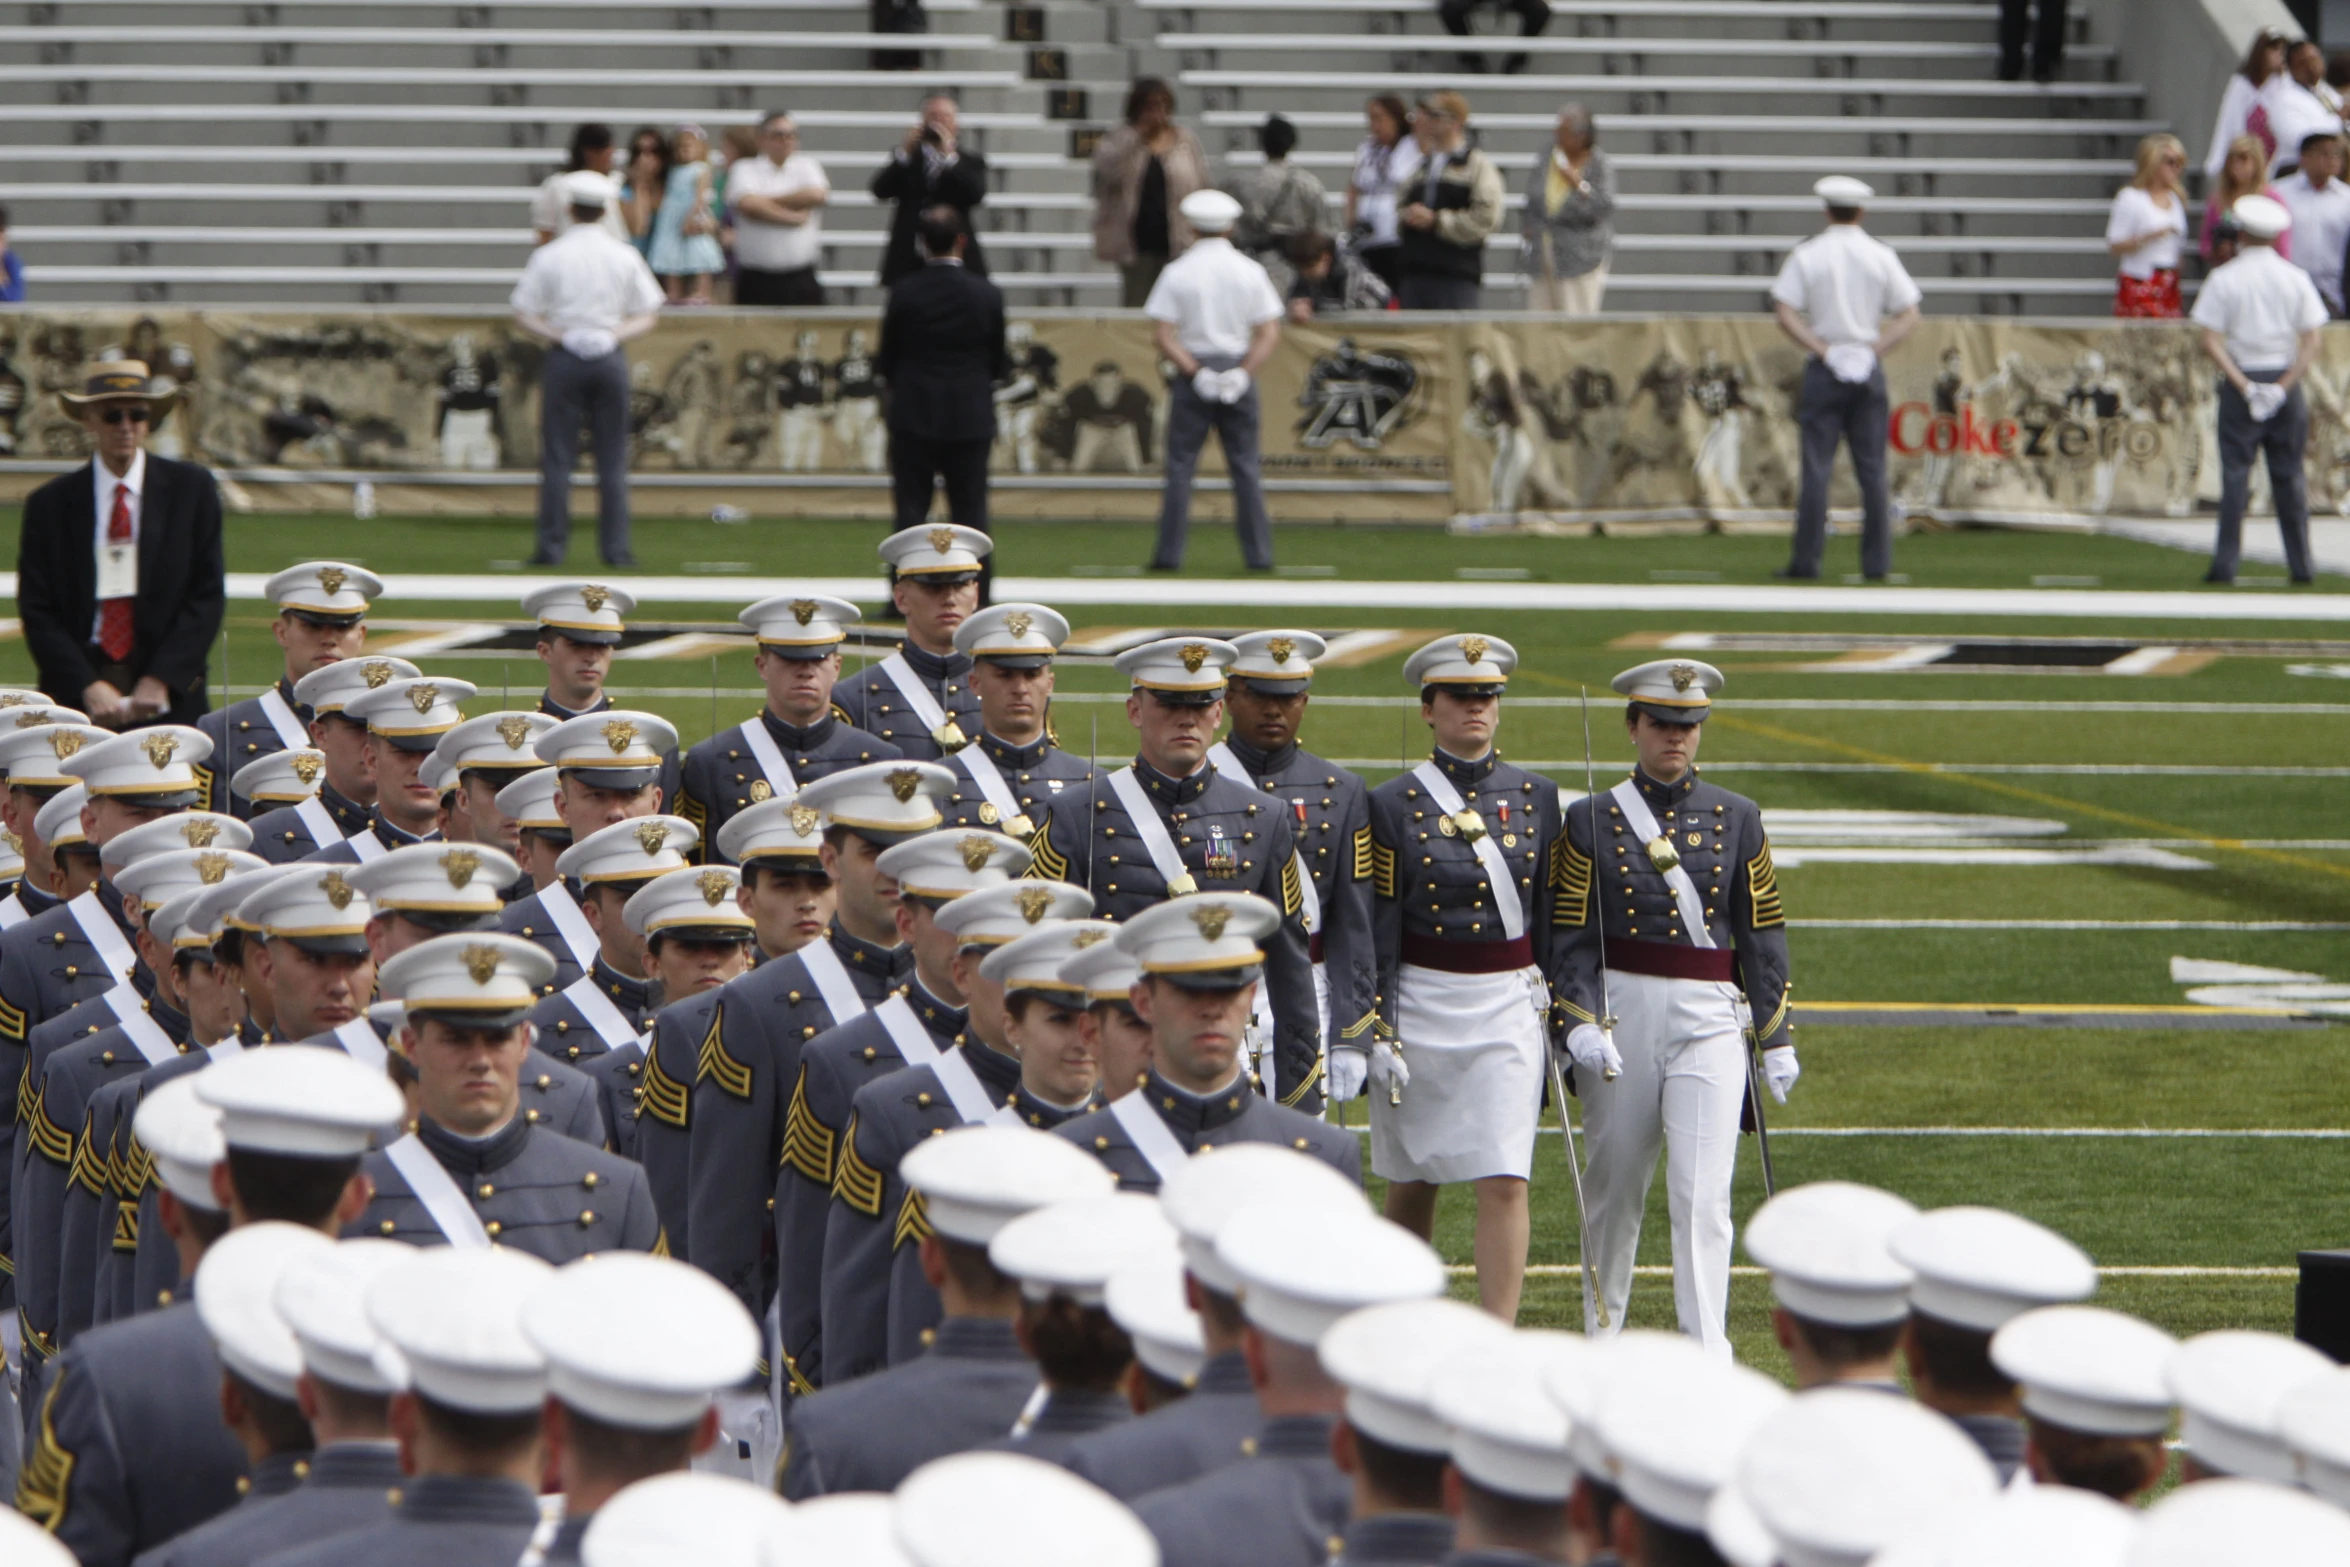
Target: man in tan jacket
1454,203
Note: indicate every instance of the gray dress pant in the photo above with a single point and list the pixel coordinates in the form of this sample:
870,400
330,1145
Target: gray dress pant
1828,411
2283,440
575,391
1189,418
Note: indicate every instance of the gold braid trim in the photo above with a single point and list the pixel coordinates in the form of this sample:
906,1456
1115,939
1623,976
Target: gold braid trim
1572,1010
714,1065
913,1220
842,714
138,1170
663,1097
808,1144
1570,882
693,810
1305,1087
1786,997
661,1243
42,1484
1383,882
126,1226
1763,882
1293,898
800,1385
83,1169
12,1027
858,1184
1361,1025
51,1141
1364,854
1046,863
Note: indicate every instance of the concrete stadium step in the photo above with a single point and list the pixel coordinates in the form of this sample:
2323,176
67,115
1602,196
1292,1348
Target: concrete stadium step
1734,176
1891,58
504,167
1797,97
441,13
2018,140
1727,20
627,92
68,48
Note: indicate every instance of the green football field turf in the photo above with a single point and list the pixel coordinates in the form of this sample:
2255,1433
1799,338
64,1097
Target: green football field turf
2235,764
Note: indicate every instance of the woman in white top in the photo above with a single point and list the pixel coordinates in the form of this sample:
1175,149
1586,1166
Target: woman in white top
1384,164
2264,59
2148,226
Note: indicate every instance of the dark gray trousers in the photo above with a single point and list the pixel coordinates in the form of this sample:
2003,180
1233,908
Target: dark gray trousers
2282,441
575,391
1828,411
1189,418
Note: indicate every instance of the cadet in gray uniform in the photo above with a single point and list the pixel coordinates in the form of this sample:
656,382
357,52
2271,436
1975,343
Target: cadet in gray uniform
609,1005
800,735
345,802
919,699
743,1071
478,759
1201,962
405,722
321,617
875,1304
1196,830
579,626
476,1168
926,1015
1013,768
971,1380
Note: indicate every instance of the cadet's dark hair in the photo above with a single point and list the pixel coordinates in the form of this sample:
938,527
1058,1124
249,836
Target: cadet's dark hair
1158,1392
797,867
973,1274
204,1225
350,1408
1018,1003
1276,137
1411,1480
478,1435
624,1453
287,1186
186,958
1844,214
1839,1347
1223,1311
1605,1499
1662,1545
39,793
2115,1466
939,227
1076,1347
1521,1523
279,1420
593,136
1956,1359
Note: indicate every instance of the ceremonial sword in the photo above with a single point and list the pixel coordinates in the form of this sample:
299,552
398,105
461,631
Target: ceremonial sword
1558,1078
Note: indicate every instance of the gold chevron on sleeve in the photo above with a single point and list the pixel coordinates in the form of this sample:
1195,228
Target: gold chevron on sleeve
808,1143
42,1484
858,1184
1762,881
663,1097
716,1066
913,1221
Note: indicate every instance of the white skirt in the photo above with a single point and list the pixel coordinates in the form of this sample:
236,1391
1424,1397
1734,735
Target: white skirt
1474,1046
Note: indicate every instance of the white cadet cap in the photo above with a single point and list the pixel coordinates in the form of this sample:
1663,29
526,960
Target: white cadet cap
316,907
698,903
946,865
1826,1247
934,551
777,829
1204,939
2027,1526
884,802
35,758
323,1299
1179,667
843,1529
1387,1356
1475,665
585,188
24,1543
1979,1267
171,834
1071,1247
1210,211
1204,1195
158,879
455,1315
1580,1383
983,1177
1842,190
484,979
1507,1434
306,1101
2241,1521
181,1133
632,851
236,1285
1732,1528
324,591
156,764
281,778
1277,663
59,823
1300,1269
708,1341
710,1520
2230,1386
1146,1299
327,689
2314,1421
583,611
1017,636
20,696
2088,1369
1034,961
1838,1474
801,625
992,916
412,714
437,880
1104,973
529,801
618,748
1010,1510
502,744
1676,1433
214,910
1673,690
11,856
2261,217
436,773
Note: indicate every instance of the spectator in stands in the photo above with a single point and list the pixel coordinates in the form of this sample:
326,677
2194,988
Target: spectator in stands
1568,225
2047,39
1384,164
2294,109
586,294
931,169
942,352
684,252
1452,206
11,267
647,180
2263,60
591,150
2245,173
1533,17
777,201
2320,204
1278,202
2147,229
1324,278
2337,78
1142,172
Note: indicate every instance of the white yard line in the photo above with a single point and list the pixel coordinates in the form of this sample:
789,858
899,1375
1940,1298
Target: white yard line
1655,1270
1932,924
2313,1134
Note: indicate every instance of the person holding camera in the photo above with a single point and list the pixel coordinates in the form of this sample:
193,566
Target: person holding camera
931,169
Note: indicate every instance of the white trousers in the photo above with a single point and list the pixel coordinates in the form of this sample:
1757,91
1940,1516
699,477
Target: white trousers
1683,1082
1474,1046
1261,1029
468,440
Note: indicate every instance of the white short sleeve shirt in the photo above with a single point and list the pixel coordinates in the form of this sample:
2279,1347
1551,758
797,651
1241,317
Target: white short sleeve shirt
585,277
2260,304
776,247
1215,297
1846,283
2134,213
2321,228
551,214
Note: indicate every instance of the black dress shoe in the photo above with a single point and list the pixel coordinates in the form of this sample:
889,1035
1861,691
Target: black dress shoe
1790,574
544,560
2214,579
624,563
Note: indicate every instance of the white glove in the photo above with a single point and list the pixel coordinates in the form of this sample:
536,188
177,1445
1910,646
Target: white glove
1388,1073
1349,1068
2265,398
589,342
1234,385
1780,1071
1850,363
1594,1049
1208,385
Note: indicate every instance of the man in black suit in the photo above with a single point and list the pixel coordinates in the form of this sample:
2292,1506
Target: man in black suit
930,170
119,573
942,353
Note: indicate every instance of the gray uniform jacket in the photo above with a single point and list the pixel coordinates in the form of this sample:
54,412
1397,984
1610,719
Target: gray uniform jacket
1232,838
527,917
1176,1442
349,1485
443,1520
385,833
565,1032
1211,1121
1397,1540
871,700
617,1074
1066,1419
966,1388
240,732
281,836
661,1088
746,1085
1284,1505
722,777
2001,1437
128,1449
554,1197
1033,773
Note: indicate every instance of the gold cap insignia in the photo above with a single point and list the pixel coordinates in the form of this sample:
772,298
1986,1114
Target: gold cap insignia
619,734
1281,648
307,765
160,749
34,719
197,832
1018,622
210,868
376,671
942,539
481,961
978,849
422,697
804,610
460,864
338,891
1034,902
1684,676
514,729
65,742
332,579
1194,654
1086,938
1473,649
715,885
804,819
903,783
595,598
12,699
651,835
761,791
1211,920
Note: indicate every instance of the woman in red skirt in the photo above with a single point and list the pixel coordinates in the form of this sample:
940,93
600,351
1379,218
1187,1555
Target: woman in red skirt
2147,230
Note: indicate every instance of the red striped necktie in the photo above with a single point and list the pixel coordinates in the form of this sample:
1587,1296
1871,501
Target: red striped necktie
114,615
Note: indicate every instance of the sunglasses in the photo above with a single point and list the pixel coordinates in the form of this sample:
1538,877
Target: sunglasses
125,415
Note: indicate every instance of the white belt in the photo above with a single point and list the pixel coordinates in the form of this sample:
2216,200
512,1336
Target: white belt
569,923
914,1043
284,720
832,981
597,1008
945,733
139,1026
13,912
105,939
1643,824
311,814
438,1192
1153,833
362,1044
1497,870
1225,761
365,845
1149,1134
990,779
764,751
